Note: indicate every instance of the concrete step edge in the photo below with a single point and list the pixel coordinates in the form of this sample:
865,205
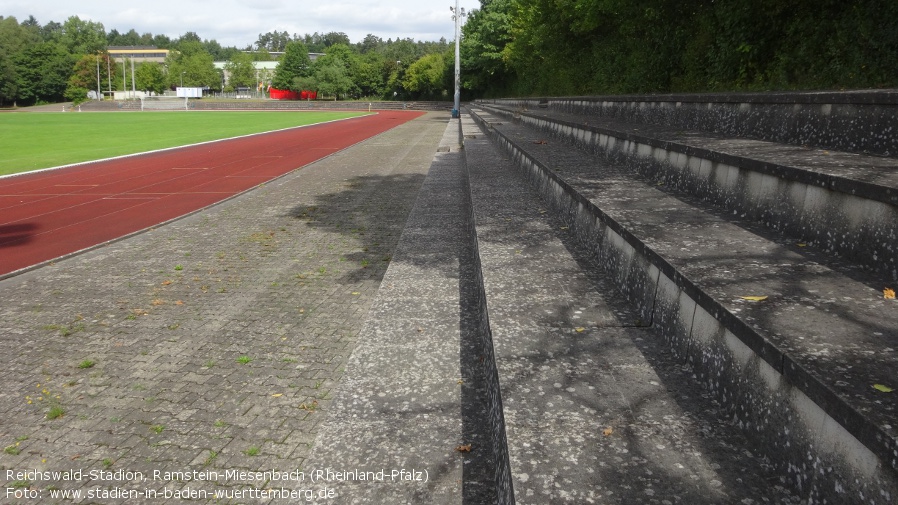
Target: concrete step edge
848,218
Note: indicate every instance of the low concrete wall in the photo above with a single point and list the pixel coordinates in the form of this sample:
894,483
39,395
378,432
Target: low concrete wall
829,451
860,121
503,480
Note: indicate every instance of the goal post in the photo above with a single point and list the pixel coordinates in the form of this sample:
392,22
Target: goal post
164,103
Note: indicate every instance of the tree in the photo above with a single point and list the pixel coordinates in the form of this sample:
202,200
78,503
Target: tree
241,70
272,41
9,88
84,76
332,80
13,39
425,77
192,66
370,43
367,75
295,63
83,37
333,38
485,37
51,32
42,72
149,77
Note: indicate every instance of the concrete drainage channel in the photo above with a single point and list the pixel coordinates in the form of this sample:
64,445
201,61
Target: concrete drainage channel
822,447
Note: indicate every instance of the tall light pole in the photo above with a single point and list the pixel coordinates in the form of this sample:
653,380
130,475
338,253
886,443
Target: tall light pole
457,15
98,76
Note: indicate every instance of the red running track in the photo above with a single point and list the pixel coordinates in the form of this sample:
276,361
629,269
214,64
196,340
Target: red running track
45,215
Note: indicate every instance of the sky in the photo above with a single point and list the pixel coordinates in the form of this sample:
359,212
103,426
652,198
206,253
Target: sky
239,22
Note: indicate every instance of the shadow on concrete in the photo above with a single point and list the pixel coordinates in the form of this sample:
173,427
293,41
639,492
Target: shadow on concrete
378,207
382,207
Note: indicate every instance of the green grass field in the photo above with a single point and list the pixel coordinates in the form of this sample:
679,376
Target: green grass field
30,141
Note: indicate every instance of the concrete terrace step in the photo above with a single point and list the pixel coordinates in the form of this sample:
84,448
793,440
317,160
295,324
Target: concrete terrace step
414,389
861,121
593,412
795,370
843,203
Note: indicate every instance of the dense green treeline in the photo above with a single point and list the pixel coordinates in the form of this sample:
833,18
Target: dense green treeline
570,47
55,62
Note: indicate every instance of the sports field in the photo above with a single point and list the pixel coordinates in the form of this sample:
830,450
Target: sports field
30,141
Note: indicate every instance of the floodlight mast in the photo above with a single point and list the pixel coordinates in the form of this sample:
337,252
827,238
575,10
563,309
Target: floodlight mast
457,15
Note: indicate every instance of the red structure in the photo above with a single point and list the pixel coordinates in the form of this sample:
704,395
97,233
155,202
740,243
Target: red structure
284,94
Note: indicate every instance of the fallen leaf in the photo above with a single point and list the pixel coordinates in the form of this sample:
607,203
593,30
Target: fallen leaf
889,293
540,142
166,283
608,431
754,298
179,302
277,395
356,293
802,245
579,329
464,448
882,388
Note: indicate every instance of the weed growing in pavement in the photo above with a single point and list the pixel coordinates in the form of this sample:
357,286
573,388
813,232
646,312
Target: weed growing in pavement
86,364
252,451
55,412
157,428
65,329
243,360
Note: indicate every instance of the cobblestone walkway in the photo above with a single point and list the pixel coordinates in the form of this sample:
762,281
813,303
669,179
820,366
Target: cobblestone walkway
207,345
